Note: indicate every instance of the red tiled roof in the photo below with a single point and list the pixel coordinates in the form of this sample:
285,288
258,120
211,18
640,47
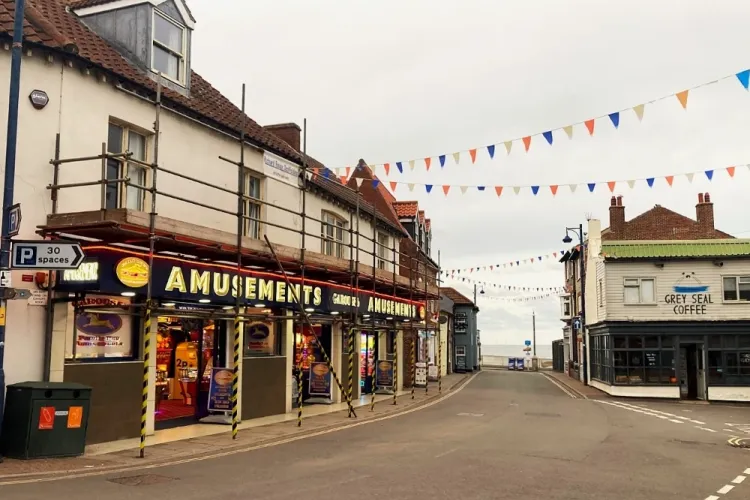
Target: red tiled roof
374,195
406,208
421,216
79,4
427,224
660,223
456,296
49,24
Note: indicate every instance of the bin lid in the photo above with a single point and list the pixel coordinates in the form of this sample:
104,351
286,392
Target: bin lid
72,386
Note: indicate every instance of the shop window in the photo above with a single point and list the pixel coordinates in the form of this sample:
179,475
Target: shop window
333,235
736,288
620,342
383,250
252,206
714,341
729,365
639,291
122,139
651,341
635,342
168,52
262,338
101,329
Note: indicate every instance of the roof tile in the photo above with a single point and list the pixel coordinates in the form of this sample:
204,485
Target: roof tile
406,208
660,223
456,296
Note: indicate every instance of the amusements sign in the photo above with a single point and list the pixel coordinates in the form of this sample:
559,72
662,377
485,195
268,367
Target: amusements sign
220,390
320,379
384,374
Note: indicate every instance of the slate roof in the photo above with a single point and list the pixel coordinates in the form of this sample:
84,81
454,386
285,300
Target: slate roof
682,249
456,296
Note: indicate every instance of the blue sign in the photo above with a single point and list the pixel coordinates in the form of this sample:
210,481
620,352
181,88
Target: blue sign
577,324
220,390
528,342
519,363
14,220
320,379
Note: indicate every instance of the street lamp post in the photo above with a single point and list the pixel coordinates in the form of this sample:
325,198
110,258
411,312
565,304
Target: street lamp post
578,231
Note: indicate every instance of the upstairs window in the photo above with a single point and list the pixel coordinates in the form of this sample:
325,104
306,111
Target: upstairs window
252,206
383,251
736,288
121,139
639,291
169,47
333,235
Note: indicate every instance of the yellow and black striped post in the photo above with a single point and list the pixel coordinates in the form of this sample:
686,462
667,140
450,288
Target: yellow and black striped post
375,370
144,390
426,362
395,366
299,391
235,374
351,367
413,364
440,364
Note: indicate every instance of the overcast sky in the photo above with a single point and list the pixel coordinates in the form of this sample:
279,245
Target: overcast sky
396,80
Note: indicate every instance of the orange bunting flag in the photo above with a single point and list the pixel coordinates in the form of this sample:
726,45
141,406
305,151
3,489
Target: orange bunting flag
499,190
553,188
682,97
427,162
393,185
348,170
316,171
446,188
611,185
590,126
527,142
670,179
473,154
387,168
730,171
343,179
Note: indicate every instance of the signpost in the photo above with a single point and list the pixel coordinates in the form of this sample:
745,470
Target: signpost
527,342
14,220
46,255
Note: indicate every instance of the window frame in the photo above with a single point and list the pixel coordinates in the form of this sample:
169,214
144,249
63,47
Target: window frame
182,71
338,247
382,250
123,167
640,280
737,278
251,201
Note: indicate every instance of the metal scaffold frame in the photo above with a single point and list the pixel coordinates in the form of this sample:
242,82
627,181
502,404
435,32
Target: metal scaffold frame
418,274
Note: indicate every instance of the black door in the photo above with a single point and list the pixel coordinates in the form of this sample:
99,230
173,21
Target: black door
691,371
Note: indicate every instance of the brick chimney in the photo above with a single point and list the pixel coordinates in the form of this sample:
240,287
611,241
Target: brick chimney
287,132
704,214
616,216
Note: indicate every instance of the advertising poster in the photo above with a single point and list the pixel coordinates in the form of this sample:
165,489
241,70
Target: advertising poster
384,374
320,379
102,334
259,339
220,390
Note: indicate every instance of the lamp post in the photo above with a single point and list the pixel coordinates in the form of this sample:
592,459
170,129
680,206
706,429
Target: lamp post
578,231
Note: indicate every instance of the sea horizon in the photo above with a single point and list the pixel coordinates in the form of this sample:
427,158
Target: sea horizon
542,350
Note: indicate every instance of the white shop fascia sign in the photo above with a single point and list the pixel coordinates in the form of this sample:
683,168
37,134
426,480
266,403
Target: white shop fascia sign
282,170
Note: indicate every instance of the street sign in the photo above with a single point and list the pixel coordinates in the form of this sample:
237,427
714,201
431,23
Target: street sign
46,255
14,220
528,342
577,323
5,279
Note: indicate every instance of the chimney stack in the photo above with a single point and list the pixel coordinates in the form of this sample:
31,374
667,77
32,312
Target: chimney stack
287,132
617,217
704,214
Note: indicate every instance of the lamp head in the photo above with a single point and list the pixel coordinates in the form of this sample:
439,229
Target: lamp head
567,239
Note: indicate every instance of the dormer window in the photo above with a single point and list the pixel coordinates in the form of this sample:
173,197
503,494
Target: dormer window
168,55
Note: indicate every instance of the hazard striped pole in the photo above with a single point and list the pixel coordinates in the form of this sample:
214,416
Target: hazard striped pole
413,364
235,374
299,383
144,393
426,361
375,370
395,366
351,366
440,364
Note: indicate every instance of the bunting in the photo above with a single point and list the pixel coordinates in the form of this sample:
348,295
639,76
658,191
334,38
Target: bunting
509,288
553,256
614,119
526,298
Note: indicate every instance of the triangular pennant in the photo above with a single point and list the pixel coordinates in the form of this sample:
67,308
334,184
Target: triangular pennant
548,135
670,179
572,187
710,174
473,154
554,254
682,97
375,183
744,78
569,131
428,188
316,171
535,189
590,126
358,180
615,118
340,171
527,142
481,188
446,188
463,189
400,167
516,189
611,185
456,157
387,168
690,176
427,162
592,186
499,190
410,186
508,146
394,184
326,173
553,188
348,170
343,179
442,160
631,184
730,171
639,111
491,151
411,164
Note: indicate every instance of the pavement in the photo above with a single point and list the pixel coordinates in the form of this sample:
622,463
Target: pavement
496,435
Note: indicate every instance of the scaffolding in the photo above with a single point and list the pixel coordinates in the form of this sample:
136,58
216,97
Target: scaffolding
422,271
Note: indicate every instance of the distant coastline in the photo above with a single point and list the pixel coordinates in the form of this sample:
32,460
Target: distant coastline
542,350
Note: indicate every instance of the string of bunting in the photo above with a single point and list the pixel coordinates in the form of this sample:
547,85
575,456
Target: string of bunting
554,188
518,299
500,286
549,135
492,267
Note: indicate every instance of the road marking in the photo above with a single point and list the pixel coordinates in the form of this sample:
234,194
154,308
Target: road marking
747,471
712,497
440,455
738,479
704,428
667,413
561,387
725,489
71,474
470,414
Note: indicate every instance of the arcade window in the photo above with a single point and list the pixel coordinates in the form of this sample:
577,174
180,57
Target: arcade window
639,291
123,139
736,288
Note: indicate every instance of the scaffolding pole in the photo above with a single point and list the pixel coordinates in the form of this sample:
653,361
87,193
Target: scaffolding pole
395,332
300,304
353,285
440,340
426,330
413,336
376,335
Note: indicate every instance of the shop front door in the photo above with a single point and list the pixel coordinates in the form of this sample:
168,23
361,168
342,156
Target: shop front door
692,372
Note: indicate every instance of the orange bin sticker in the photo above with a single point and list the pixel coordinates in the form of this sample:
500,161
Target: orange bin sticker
46,418
75,416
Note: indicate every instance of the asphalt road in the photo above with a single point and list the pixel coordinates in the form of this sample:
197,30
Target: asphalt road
504,435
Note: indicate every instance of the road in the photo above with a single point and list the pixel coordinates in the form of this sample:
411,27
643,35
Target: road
503,435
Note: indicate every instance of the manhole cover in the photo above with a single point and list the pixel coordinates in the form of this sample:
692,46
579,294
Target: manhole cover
141,480
541,414
471,414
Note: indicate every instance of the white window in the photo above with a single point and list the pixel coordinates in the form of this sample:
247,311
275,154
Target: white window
252,206
565,302
640,291
121,139
383,251
736,288
333,235
169,47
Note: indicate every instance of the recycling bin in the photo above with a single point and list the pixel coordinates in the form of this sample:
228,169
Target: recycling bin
511,363
519,364
45,420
